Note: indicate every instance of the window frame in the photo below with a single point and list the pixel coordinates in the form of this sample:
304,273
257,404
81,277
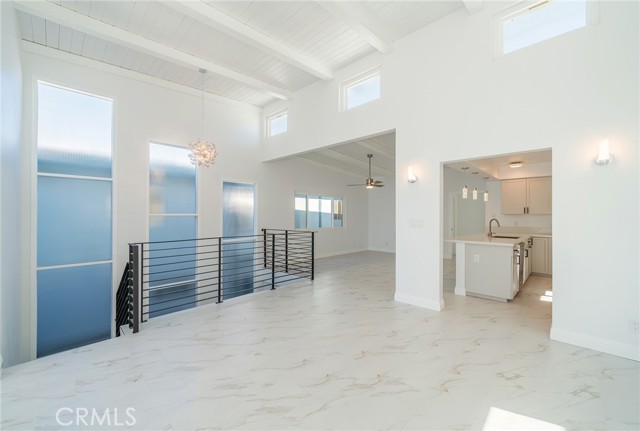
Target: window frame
334,199
354,81
274,116
148,187
33,103
592,11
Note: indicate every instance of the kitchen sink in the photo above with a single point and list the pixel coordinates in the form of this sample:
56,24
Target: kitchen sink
505,236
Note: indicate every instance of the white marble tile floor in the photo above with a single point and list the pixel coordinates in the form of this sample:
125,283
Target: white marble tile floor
336,354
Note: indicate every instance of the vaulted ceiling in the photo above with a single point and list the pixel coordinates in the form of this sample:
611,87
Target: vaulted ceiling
255,52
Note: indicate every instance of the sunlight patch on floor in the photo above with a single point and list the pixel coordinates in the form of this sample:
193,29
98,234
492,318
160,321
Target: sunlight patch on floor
499,419
547,297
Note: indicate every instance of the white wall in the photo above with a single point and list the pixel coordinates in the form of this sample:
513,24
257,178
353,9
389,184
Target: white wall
10,171
382,216
451,100
549,95
145,112
315,122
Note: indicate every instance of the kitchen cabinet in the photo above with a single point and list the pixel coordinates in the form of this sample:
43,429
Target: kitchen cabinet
541,256
526,196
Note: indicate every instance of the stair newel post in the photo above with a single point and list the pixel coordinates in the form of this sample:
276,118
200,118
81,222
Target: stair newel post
134,258
219,270
286,251
264,246
313,260
273,261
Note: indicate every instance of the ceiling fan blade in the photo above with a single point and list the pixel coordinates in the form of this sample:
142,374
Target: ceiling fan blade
378,185
353,185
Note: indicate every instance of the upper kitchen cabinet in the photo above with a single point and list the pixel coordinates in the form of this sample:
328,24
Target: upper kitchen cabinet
526,196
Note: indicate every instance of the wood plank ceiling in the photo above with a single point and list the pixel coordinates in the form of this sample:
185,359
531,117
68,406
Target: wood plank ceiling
256,52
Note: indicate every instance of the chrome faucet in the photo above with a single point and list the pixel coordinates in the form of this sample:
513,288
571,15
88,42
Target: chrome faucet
490,222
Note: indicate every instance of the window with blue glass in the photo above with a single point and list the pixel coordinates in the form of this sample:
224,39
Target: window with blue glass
520,26
172,216
361,89
317,211
74,218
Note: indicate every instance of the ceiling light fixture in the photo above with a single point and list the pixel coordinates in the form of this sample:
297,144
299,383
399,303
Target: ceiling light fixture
517,164
203,153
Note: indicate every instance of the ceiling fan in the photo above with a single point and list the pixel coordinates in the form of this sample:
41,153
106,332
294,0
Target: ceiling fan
370,182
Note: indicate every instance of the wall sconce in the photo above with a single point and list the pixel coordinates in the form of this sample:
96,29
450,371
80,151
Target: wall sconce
411,176
604,157
474,194
486,196
464,192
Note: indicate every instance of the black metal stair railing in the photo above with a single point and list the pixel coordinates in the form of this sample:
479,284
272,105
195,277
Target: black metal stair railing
169,276
124,301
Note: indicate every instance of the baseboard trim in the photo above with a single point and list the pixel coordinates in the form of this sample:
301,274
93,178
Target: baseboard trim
340,252
382,250
419,301
460,291
600,344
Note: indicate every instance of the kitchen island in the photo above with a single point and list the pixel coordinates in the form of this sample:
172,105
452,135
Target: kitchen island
488,267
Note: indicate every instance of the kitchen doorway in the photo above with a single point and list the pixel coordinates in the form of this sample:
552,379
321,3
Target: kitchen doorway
493,179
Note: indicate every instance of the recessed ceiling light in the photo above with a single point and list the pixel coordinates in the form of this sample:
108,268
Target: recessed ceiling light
485,178
516,164
475,173
464,168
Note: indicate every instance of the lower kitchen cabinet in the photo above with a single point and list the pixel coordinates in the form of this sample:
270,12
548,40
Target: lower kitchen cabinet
541,256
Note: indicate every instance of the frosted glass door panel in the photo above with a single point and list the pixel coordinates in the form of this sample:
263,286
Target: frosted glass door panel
238,209
238,219
169,271
172,228
74,132
238,266
74,221
74,307
163,256
172,180
171,299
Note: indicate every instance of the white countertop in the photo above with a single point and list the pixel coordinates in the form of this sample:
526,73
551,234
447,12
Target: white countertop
483,239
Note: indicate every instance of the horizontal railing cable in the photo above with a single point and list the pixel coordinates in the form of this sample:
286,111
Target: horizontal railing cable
173,275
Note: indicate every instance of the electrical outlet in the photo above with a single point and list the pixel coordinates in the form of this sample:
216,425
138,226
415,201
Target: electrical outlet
476,258
634,325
